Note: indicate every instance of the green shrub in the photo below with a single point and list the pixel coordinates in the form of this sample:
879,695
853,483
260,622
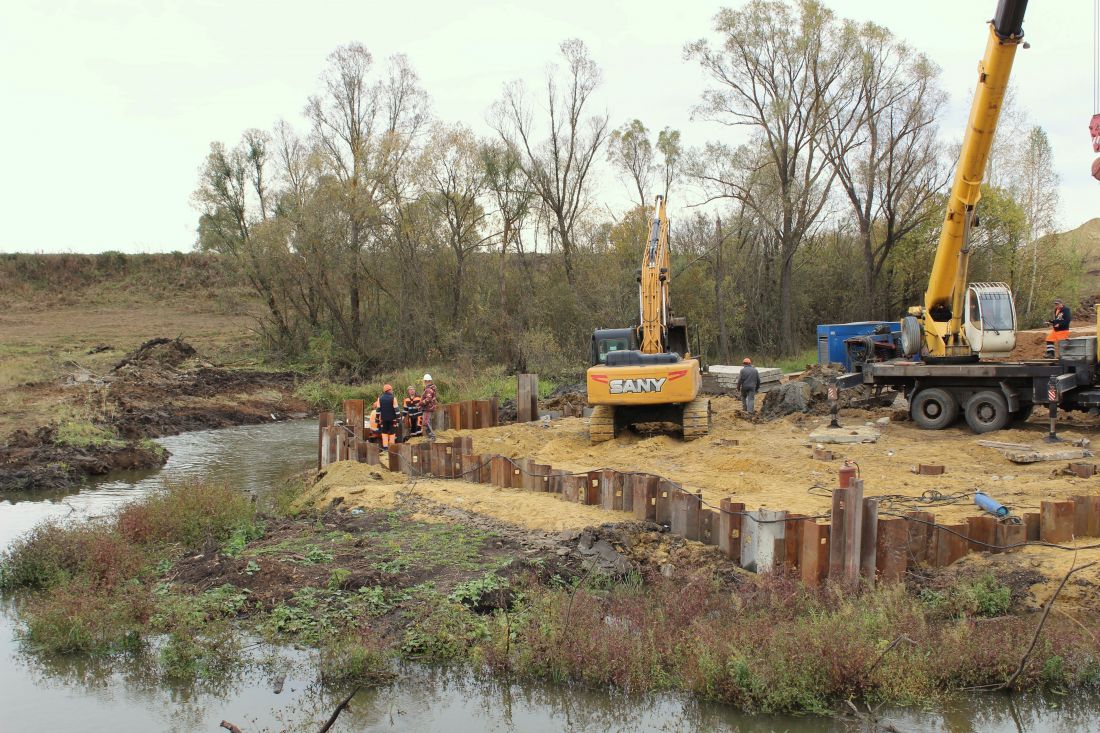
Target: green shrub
52,554
361,660
189,513
80,618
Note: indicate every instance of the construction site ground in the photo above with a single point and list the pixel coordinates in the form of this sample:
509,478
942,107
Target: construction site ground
765,465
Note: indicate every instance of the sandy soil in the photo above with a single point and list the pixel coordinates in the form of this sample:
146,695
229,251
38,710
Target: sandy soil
764,465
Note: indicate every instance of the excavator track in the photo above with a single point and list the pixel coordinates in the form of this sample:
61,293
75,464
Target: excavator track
697,419
601,425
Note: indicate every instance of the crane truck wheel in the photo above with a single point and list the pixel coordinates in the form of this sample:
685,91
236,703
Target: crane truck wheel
987,411
934,408
601,425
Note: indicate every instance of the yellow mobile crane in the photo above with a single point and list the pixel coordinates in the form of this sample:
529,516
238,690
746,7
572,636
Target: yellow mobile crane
645,374
959,321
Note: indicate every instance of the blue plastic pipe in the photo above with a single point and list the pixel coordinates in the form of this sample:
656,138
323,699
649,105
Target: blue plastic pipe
990,505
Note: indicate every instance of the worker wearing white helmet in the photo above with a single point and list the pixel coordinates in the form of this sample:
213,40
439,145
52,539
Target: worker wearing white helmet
428,401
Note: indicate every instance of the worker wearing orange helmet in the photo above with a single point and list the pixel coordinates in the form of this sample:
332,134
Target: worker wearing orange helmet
388,412
748,381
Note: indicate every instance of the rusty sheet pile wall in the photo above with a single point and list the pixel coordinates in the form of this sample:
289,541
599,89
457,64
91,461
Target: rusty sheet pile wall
854,543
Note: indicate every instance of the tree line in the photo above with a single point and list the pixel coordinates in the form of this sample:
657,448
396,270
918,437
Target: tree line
380,235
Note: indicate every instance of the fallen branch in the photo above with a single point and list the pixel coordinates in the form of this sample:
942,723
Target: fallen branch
336,713
1042,620
886,651
230,727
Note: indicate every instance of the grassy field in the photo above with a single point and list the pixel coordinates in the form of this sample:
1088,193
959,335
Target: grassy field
78,315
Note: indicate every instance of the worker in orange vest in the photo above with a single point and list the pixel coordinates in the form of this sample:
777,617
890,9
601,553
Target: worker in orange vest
411,404
1059,327
388,411
374,424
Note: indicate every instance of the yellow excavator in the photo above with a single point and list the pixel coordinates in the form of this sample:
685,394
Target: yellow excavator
645,374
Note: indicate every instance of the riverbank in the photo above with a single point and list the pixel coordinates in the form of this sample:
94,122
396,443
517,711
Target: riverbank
104,422
178,578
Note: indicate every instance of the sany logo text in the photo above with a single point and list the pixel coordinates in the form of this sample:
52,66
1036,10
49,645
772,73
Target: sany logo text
645,384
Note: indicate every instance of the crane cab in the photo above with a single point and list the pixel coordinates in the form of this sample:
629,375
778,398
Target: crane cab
990,319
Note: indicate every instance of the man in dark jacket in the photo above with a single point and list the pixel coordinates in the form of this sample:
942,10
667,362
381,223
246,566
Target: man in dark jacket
748,381
388,411
1059,327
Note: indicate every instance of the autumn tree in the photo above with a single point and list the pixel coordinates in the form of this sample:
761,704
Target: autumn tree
557,156
774,70
883,146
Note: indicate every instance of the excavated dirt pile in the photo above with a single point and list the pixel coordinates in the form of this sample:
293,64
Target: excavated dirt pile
161,388
571,398
809,394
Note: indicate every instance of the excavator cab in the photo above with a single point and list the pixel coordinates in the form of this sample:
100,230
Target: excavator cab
610,340
990,320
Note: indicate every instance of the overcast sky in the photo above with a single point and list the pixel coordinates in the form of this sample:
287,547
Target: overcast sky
108,108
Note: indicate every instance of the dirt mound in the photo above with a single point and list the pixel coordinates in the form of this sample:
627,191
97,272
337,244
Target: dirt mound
809,394
1031,345
37,461
161,350
568,399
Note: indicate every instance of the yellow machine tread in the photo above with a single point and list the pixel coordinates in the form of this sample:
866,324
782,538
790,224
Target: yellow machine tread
601,425
696,419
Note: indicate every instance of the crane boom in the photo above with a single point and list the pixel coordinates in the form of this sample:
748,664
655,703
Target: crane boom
943,301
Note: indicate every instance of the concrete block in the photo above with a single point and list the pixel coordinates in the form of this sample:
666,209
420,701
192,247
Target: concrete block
762,540
685,514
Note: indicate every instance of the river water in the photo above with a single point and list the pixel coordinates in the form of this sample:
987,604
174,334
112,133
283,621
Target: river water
277,689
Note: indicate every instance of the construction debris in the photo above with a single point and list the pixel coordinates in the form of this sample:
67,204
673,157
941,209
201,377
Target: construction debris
722,379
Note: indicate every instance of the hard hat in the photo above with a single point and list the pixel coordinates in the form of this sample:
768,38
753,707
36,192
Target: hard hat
388,388
747,360
412,389
1058,301
427,377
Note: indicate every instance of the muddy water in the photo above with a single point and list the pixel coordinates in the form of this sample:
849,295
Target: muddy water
277,690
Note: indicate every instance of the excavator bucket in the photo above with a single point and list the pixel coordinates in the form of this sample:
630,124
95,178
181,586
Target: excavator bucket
1096,169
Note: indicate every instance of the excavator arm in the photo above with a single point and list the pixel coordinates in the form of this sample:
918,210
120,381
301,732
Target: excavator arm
653,285
944,301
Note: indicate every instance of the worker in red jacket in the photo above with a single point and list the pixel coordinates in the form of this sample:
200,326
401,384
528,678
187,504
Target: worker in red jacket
428,403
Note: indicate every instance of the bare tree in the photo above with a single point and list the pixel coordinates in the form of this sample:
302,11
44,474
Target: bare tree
363,130
882,144
631,153
775,69
558,166
1039,196
456,182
